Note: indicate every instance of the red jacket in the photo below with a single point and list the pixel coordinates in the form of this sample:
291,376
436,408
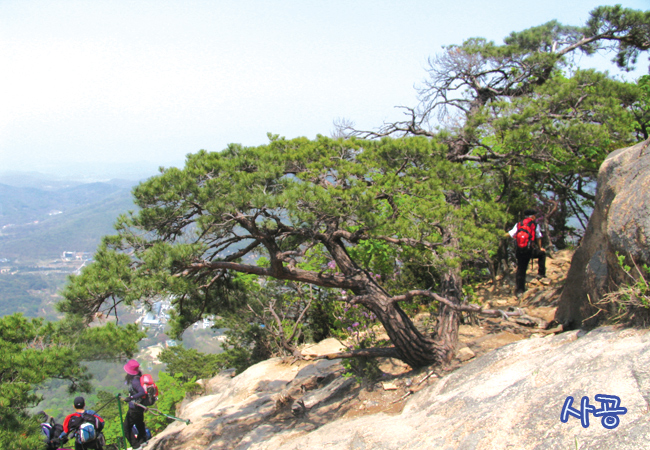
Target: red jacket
72,421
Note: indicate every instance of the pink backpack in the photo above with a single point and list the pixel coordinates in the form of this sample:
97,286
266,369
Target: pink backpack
149,386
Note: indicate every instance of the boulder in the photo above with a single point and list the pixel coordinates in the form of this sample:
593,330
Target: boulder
620,223
324,347
465,354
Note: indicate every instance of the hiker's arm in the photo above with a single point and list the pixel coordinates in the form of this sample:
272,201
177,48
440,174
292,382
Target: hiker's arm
538,235
512,232
139,390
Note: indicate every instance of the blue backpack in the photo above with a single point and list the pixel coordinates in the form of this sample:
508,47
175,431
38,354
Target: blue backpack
51,430
86,433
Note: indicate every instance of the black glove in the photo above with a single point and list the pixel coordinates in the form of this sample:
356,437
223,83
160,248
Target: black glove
128,399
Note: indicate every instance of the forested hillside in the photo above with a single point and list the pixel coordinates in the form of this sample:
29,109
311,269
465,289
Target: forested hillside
38,224
40,218
31,294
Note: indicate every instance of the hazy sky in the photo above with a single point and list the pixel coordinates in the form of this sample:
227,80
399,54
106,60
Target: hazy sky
129,82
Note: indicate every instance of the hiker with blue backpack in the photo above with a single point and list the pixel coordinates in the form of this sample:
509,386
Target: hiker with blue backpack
51,430
528,238
85,426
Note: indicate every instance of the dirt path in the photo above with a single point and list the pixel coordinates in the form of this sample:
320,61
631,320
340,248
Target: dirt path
537,308
538,303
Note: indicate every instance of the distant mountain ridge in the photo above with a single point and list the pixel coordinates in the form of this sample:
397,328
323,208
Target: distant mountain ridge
36,180
41,222
22,205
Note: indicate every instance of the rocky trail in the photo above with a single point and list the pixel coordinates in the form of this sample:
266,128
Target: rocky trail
537,307
291,398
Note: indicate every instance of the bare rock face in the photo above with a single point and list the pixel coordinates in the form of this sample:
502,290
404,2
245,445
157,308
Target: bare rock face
511,398
619,223
261,401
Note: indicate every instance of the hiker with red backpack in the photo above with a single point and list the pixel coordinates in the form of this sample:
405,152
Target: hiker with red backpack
141,392
85,426
528,238
135,414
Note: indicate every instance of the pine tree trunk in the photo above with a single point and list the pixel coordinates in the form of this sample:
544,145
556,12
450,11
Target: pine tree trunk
451,289
559,222
412,347
448,318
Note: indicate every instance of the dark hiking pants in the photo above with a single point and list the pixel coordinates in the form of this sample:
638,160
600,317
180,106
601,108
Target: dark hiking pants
135,416
523,258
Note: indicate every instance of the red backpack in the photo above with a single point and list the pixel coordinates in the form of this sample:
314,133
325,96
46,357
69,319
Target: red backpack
149,386
525,235
87,426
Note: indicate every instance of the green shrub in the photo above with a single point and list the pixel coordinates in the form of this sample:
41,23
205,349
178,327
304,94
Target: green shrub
630,304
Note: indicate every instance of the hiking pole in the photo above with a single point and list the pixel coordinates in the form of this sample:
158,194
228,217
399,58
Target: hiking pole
157,412
119,406
109,402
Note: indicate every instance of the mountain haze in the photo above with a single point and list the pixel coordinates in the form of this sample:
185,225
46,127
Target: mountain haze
39,223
